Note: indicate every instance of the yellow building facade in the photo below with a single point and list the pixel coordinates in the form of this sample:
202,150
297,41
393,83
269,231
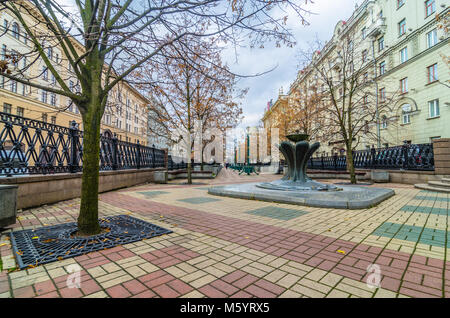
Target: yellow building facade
405,53
125,113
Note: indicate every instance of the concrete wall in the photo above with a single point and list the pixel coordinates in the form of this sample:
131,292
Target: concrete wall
43,189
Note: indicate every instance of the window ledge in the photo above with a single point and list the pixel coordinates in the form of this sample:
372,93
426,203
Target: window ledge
429,118
402,124
431,83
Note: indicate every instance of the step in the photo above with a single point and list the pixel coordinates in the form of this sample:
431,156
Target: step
439,184
425,186
446,180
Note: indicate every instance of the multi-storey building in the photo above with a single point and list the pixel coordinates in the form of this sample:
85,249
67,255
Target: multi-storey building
404,53
125,113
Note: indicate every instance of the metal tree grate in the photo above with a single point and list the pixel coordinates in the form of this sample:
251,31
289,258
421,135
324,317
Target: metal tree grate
53,243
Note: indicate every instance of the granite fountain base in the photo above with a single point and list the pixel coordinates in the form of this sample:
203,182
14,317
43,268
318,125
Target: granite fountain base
350,197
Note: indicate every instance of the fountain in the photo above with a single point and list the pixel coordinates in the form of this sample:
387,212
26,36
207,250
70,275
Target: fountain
297,155
295,187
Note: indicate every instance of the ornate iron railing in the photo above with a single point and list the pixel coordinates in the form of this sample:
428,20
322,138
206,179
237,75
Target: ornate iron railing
29,146
406,157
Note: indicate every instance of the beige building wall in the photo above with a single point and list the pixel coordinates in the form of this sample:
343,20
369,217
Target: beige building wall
381,20
125,115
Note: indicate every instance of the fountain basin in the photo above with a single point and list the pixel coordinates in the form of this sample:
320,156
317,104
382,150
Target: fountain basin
348,197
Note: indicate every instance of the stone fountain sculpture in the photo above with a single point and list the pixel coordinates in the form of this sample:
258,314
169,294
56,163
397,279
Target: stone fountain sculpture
297,155
297,188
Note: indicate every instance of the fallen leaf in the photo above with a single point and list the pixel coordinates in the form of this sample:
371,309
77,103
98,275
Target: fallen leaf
341,251
35,237
60,258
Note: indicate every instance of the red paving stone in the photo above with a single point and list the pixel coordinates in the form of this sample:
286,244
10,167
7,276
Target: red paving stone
118,291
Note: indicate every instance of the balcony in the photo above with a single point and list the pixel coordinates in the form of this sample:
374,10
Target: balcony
377,28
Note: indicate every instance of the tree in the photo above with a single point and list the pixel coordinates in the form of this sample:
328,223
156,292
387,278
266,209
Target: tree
105,41
191,85
352,102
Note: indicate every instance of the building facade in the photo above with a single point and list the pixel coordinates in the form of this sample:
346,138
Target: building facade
125,113
403,51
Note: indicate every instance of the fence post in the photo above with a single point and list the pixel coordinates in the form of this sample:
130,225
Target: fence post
74,136
373,155
335,157
153,156
114,141
138,155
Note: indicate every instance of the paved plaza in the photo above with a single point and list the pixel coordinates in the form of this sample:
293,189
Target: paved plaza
225,247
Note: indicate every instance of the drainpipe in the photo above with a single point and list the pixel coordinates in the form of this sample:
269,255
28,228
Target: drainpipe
377,114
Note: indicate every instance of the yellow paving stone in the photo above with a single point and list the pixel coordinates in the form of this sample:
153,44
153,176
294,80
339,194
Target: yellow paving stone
148,267
111,267
290,294
187,268
202,281
302,267
384,293
197,260
111,276
193,276
135,271
56,272
254,271
241,263
307,291
5,295
353,290
314,285
316,274
97,271
275,275
215,256
215,271
232,259
193,294
292,270
261,266
337,294
278,262
206,263
224,267
99,294
331,279
288,281
116,281
175,271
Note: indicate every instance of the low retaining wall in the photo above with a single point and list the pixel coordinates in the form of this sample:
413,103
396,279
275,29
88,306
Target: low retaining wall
36,190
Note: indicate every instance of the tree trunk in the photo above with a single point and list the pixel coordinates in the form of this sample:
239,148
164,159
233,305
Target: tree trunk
88,217
350,165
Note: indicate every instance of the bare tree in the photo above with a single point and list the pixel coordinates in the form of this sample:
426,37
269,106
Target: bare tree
352,105
105,41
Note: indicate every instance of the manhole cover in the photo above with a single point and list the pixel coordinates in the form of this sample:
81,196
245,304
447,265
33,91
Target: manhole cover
52,243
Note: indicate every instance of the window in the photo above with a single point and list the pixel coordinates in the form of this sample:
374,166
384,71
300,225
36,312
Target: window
406,114
3,54
366,77
25,38
44,117
364,33
7,108
24,89
5,25
50,53
402,27
381,44
433,107
24,59
430,7
45,73
382,94
432,73
431,38
364,56
382,68
400,3
403,55
13,86
53,80
135,130
15,30
20,111
53,120
404,85
53,99
44,96
384,122
71,85
365,100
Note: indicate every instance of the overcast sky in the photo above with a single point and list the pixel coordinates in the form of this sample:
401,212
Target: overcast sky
254,61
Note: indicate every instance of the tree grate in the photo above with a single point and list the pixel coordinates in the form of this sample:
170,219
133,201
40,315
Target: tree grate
52,243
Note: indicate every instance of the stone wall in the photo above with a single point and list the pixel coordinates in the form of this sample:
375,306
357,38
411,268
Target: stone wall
37,190
441,149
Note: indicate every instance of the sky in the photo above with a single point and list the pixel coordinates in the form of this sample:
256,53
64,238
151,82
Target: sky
255,61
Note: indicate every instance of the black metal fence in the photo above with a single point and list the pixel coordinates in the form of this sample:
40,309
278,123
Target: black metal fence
29,146
406,157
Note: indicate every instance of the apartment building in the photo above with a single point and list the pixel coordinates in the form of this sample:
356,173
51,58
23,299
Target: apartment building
125,114
404,60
